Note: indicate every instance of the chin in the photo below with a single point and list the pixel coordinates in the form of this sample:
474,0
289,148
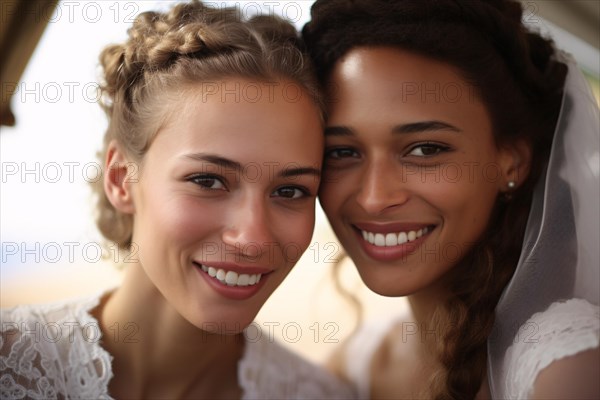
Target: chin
388,286
386,291
223,322
223,326
383,287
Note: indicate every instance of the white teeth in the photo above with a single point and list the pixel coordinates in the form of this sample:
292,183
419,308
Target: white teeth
393,239
221,275
232,278
243,280
402,238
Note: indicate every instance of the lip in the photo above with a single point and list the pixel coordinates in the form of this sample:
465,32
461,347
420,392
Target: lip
234,292
240,269
391,227
391,253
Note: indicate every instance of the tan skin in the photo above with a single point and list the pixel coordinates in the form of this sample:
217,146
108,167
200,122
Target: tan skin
399,161
381,178
574,377
148,364
187,342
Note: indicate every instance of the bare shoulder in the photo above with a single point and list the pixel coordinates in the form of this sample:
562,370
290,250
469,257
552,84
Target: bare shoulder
573,377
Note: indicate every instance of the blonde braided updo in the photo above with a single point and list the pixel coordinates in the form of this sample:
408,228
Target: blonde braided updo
168,52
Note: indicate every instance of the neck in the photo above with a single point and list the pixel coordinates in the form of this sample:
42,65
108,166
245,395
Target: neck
157,352
424,305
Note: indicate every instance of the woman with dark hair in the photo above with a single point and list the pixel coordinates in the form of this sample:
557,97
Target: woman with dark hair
449,178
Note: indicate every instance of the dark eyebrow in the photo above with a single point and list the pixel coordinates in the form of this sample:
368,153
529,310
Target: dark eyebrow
292,172
230,164
424,126
217,160
414,127
338,131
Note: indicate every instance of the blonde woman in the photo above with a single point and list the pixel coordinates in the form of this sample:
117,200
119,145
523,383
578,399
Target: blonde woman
212,153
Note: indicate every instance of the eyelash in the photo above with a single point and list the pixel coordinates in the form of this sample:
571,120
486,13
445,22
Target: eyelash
304,192
329,153
196,179
439,148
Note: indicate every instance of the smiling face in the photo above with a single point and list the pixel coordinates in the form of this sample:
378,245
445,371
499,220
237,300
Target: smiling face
411,171
224,203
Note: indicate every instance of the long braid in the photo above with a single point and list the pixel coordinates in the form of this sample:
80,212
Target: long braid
519,81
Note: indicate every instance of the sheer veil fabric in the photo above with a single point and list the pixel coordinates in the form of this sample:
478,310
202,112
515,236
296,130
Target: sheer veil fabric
560,257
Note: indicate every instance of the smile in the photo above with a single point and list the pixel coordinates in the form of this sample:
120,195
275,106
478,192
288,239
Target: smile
392,238
231,278
393,241
234,281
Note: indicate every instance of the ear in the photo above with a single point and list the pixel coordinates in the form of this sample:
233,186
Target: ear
515,162
118,179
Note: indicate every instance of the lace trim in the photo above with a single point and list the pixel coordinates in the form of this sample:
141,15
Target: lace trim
269,371
564,329
53,351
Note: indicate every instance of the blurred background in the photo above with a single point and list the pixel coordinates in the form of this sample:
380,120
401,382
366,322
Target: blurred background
52,128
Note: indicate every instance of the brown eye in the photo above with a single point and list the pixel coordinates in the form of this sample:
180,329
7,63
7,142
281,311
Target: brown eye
427,150
341,153
290,192
210,182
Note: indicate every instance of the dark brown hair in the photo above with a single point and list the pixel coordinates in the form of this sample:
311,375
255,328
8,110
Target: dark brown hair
519,80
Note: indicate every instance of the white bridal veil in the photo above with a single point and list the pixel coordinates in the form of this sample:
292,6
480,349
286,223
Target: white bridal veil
560,258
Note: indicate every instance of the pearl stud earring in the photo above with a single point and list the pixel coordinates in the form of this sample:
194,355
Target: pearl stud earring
512,184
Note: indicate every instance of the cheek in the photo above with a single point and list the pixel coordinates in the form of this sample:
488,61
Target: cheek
327,198
293,242
335,189
466,199
179,219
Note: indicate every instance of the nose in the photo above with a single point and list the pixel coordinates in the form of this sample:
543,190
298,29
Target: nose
247,227
383,187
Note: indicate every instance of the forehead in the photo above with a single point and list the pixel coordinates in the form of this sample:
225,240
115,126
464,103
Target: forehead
389,82
245,120
393,65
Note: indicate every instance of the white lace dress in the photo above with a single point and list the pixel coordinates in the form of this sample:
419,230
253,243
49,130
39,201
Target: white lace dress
53,351
564,329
